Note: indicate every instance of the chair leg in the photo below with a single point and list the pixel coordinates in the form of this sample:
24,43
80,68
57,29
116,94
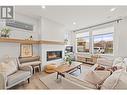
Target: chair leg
28,80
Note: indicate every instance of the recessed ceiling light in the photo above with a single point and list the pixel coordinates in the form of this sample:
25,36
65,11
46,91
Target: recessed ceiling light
43,7
112,9
74,23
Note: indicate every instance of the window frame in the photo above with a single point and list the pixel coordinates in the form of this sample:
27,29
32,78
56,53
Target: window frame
103,35
91,42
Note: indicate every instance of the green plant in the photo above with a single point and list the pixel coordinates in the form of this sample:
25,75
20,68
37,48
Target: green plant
5,32
68,59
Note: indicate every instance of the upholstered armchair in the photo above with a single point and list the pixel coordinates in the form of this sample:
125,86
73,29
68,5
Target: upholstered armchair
11,73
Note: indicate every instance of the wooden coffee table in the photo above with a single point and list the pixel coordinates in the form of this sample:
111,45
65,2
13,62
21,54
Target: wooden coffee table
66,68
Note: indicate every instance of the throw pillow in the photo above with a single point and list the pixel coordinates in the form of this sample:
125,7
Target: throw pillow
9,67
117,61
125,61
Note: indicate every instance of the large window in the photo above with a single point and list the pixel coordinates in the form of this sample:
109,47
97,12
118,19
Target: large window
82,42
103,41
100,41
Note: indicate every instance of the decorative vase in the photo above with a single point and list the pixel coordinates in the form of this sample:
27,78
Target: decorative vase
4,35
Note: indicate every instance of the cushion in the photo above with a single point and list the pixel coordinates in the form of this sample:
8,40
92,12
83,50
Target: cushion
18,77
51,66
9,67
117,61
29,59
118,80
125,61
104,61
30,63
49,71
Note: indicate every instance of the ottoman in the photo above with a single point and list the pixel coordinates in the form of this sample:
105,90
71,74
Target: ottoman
50,68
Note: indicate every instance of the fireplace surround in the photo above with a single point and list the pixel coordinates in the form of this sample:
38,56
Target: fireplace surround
53,55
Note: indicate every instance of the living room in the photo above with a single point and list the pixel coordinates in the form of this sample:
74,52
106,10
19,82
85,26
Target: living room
63,47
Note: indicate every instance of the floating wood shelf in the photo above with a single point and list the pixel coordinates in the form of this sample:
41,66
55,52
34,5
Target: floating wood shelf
11,40
51,42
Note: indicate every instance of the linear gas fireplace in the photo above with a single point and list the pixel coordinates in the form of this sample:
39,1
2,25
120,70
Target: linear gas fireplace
52,55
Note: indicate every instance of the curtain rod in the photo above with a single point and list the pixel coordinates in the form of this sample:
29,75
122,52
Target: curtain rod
117,20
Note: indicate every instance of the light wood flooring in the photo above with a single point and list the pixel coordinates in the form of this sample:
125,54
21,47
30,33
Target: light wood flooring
36,84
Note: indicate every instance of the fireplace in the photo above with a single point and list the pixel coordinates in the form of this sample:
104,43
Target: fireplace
52,55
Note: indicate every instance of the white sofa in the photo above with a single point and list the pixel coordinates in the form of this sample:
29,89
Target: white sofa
103,79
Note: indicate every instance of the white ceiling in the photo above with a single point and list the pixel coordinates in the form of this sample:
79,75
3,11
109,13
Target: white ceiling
83,15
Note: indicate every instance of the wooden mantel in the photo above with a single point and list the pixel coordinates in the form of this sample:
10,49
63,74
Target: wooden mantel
12,40
51,42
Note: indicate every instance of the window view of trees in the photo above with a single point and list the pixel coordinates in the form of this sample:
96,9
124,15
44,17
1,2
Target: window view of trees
102,41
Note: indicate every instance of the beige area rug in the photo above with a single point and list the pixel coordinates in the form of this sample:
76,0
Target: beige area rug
52,82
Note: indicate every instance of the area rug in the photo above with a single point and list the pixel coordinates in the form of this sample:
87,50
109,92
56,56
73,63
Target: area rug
51,81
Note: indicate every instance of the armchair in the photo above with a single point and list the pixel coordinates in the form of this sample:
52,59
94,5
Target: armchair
10,77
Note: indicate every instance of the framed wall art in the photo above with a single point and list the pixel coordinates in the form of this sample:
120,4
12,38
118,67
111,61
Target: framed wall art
26,50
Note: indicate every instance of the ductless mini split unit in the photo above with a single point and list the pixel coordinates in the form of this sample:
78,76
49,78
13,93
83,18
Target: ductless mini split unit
20,25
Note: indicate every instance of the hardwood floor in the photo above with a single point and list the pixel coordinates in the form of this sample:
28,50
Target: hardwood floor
36,84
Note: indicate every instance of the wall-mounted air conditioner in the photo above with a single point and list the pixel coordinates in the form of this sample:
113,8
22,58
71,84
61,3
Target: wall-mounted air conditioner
20,25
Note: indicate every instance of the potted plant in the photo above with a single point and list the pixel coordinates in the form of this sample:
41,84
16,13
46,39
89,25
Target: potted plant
5,32
68,59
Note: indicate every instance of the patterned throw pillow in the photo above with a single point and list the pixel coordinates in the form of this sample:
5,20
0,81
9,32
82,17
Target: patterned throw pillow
9,67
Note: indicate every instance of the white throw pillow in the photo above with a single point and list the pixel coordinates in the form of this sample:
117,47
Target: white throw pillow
125,61
118,61
9,67
118,80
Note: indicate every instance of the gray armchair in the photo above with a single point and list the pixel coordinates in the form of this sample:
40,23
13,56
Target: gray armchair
21,74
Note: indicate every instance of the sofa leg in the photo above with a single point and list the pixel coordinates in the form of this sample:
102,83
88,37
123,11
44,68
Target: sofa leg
28,80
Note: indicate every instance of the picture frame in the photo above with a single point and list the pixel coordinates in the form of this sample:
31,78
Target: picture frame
26,50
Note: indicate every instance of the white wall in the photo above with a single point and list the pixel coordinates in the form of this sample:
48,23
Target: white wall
51,31
121,38
13,49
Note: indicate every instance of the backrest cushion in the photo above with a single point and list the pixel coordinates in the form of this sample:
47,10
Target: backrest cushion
118,80
104,61
29,59
9,66
119,62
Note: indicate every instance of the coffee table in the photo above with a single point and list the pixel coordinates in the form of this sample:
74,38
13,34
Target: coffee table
66,68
